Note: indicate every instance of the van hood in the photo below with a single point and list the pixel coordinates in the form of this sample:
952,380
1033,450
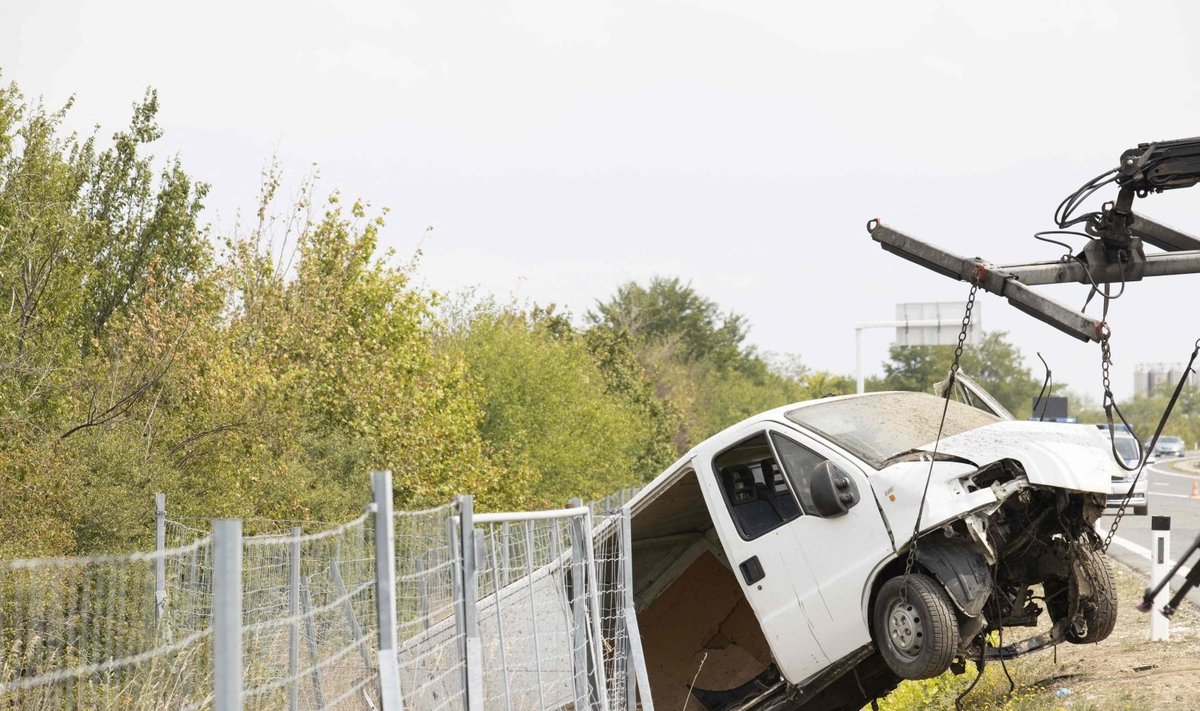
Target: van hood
1077,457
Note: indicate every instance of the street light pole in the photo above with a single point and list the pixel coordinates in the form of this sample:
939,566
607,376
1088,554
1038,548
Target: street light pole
860,327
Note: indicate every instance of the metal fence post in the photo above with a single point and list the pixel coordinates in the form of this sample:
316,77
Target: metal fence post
472,645
578,602
593,581
637,669
385,592
160,562
454,540
294,627
504,544
227,615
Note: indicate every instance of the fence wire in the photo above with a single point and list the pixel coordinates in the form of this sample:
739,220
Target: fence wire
87,633
428,608
308,619
548,617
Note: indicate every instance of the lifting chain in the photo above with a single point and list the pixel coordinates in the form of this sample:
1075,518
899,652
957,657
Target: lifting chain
1110,405
911,560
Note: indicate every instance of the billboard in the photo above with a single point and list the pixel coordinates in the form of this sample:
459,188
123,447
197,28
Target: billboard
1053,409
935,323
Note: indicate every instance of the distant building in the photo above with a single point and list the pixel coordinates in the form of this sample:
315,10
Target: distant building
1149,377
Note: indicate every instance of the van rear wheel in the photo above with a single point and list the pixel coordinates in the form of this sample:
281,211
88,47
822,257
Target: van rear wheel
916,633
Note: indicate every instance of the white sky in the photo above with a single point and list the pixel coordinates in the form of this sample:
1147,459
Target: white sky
559,148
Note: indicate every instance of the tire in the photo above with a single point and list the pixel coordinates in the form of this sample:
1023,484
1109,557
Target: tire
917,638
1141,510
1099,610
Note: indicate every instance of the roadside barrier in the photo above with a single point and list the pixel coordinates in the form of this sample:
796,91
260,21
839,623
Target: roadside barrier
443,608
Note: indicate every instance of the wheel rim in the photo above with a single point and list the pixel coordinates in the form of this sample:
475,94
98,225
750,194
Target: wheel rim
905,628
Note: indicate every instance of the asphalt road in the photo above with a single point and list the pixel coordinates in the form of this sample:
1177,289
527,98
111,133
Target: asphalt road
1170,493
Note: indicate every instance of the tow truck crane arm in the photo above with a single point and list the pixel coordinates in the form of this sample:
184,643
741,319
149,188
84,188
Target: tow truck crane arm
1115,255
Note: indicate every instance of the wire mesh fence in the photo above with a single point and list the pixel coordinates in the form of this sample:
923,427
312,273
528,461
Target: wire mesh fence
531,639
308,611
86,633
512,611
428,608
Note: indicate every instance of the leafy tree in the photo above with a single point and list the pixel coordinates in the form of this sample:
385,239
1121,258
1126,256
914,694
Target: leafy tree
671,313
564,414
265,377
994,363
62,371
695,355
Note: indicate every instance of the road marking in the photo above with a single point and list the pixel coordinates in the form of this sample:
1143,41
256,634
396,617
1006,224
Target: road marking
1174,496
1189,477
1140,551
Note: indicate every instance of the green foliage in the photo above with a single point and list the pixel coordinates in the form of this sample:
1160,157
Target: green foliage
1144,411
995,364
668,312
94,253
264,372
693,352
564,414
263,383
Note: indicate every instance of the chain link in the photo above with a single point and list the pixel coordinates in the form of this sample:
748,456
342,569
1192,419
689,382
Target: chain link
911,560
1105,363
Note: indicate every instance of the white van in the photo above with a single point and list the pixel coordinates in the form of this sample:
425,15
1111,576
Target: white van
769,562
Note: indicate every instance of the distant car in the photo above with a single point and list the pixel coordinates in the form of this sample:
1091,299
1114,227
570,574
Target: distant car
1168,446
1127,447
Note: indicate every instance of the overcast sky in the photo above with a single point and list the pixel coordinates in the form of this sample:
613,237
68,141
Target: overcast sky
559,148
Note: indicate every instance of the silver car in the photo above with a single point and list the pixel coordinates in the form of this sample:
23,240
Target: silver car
1127,447
1169,446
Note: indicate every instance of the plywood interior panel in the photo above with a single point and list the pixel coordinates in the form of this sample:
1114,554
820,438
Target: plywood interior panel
701,617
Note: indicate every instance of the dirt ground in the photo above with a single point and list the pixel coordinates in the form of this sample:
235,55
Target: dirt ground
1127,670
1124,672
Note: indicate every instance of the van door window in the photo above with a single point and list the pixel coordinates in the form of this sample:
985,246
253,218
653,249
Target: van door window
799,463
755,488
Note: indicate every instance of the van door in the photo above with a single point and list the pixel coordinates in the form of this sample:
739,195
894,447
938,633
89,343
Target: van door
841,550
754,509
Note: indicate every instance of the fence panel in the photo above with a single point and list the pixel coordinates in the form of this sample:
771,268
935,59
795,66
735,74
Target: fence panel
81,633
311,645
428,590
135,631
527,623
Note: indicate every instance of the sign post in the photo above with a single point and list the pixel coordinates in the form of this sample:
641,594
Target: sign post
921,324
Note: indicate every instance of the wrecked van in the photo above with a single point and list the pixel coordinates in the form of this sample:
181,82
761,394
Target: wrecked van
769,561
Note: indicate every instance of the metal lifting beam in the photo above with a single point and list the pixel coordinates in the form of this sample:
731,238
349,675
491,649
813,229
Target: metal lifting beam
1013,281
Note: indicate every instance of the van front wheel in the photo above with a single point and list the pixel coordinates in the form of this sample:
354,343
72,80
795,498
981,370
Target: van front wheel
915,628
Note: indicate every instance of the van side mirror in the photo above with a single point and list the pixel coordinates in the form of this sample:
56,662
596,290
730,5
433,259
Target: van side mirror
831,490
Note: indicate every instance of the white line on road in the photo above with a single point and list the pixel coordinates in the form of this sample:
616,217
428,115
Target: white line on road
1177,496
1189,477
1137,550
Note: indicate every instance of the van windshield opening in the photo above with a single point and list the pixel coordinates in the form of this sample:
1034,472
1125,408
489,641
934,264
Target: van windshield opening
880,426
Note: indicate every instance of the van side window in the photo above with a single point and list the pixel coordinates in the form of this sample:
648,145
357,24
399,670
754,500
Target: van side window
756,491
800,463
